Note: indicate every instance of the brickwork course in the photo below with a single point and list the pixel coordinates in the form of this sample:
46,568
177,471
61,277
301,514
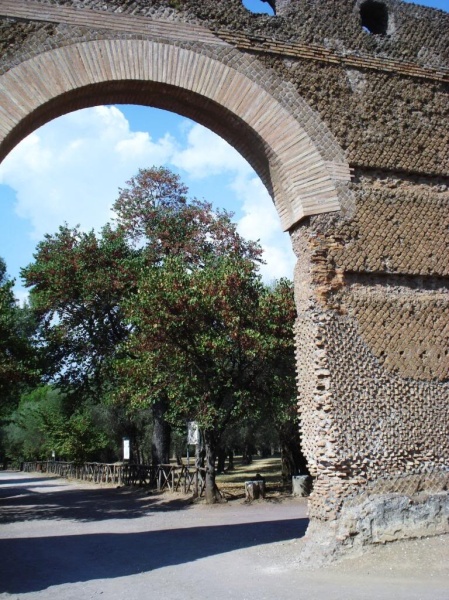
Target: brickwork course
342,109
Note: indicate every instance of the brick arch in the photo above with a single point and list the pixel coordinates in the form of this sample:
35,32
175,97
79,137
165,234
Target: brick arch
286,142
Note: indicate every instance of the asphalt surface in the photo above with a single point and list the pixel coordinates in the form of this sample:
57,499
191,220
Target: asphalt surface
65,541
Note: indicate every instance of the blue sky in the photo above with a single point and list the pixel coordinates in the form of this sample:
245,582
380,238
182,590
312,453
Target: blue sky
260,6
70,170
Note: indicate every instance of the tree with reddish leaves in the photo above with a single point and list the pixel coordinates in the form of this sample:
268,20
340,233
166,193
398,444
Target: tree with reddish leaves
154,214
215,340
79,281
165,308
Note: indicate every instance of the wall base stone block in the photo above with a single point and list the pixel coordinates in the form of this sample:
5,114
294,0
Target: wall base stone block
378,520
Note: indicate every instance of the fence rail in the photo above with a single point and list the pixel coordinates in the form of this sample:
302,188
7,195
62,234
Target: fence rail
174,478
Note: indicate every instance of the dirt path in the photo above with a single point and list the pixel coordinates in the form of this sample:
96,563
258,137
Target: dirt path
79,542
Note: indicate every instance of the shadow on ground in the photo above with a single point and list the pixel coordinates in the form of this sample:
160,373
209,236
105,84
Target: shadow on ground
22,503
33,564
34,480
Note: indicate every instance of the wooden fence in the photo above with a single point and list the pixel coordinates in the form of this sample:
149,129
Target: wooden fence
181,478
174,478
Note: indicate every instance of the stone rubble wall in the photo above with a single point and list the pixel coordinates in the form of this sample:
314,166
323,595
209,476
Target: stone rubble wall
419,33
373,397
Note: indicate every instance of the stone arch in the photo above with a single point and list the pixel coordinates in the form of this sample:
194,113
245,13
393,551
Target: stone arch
286,142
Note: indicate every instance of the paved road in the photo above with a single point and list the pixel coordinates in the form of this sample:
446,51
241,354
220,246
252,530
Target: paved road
67,542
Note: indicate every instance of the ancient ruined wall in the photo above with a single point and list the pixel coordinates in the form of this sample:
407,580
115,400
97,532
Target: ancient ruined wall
374,393
373,338
371,279
384,97
380,313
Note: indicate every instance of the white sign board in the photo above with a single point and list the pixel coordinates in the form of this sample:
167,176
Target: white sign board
193,433
126,450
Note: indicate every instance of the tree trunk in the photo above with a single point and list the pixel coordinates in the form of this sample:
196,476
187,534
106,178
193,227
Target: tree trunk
231,460
221,459
160,445
211,491
264,451
247,458
293,460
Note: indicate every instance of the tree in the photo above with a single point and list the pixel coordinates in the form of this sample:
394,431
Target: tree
18,362
23,433
44,423
213,338
278,386
155,215
164,309
75,438
78,281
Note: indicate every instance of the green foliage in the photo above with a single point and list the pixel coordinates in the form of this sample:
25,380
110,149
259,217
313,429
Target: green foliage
214,339
78,281
193,339
25,437
43,424
76,438
18,364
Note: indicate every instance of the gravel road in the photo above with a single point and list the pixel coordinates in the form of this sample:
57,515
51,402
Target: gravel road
65,541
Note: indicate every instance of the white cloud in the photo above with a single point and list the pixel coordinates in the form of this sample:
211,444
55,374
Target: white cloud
70,171
261,221
139,149
21,294
207,154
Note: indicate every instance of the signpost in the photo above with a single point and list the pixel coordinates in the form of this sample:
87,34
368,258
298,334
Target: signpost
193,433
193,437
126,449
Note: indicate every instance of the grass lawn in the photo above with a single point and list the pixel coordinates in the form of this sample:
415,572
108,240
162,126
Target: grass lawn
232,483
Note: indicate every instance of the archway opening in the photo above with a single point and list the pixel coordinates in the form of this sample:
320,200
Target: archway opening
124,131
289,146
